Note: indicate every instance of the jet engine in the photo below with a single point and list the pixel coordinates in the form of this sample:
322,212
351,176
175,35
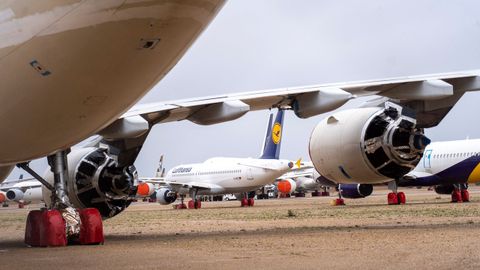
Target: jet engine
367,145
165,196
3,197
31,194
145,190
95,180
444,189
287,186
355,191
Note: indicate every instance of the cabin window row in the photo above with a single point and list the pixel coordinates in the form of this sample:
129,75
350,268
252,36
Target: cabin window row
207,173
456,155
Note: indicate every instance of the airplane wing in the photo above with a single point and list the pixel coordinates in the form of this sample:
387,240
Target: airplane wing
431,96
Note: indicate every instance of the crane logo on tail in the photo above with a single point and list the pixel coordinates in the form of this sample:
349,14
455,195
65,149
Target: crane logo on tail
276,133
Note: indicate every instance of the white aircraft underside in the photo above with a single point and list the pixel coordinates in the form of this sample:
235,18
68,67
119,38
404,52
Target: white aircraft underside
69,68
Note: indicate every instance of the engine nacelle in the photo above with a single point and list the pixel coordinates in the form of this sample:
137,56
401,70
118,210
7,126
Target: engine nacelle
367,145
165,196
14,194
96,181
355,191
30,195
306,184
145,190
3,197
444,189
287,186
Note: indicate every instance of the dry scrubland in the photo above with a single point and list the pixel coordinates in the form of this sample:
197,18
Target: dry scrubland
302,233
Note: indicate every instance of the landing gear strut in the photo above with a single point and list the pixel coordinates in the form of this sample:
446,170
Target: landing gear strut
395,197
194,203
61,223
182,205
338,201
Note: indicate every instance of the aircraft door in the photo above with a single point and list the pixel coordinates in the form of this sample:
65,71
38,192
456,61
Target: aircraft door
249,174
427,156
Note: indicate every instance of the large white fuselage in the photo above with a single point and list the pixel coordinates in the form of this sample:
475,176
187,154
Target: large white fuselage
229,175
69,68
449,162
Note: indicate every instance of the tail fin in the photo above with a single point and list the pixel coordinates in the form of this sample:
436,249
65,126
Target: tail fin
273,138
160,170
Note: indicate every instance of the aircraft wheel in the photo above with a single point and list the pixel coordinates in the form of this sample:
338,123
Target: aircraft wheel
198,204
392,198
465,195
91,230
244,202
456,196
337,202
45,228
251,202
191,204
401,198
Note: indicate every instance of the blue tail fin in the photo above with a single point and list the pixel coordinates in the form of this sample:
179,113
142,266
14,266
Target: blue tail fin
273,138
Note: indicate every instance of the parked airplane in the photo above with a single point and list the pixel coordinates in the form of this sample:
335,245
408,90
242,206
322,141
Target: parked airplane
220,175
74,67
449,166
21,191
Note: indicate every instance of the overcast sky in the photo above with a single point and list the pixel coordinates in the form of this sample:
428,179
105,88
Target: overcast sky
260,44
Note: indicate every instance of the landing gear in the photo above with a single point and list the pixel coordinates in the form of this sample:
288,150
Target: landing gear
395,197
61,223
465,195
300,195
338,201
194,203
460,193
181,205
246,201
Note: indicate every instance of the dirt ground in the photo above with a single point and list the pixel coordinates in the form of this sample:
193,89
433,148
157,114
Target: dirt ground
296,233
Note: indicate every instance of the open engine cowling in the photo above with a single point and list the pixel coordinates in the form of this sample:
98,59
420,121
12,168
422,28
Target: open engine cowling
287,186
165,196
367,145
355,191
96,181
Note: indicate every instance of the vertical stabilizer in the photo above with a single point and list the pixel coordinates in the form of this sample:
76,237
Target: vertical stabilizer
160,169
273,138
